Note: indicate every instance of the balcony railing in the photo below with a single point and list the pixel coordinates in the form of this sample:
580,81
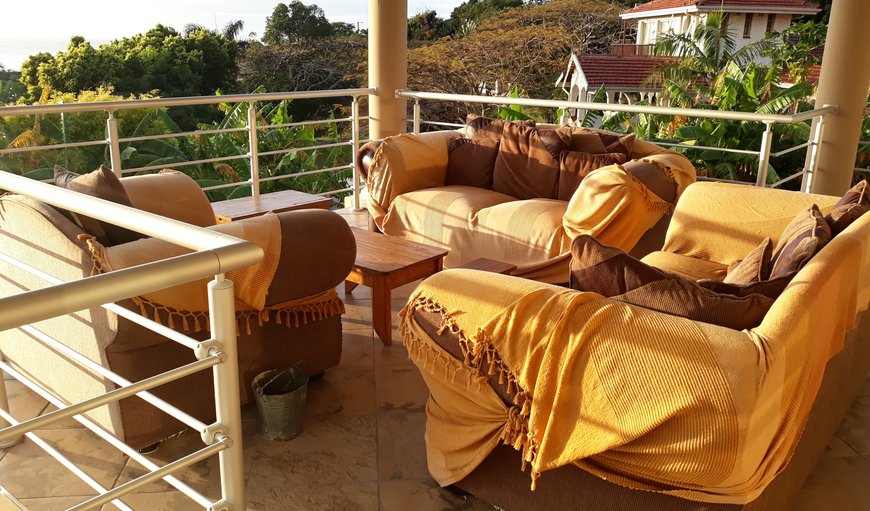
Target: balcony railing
764,152
214,254
253,128
631,49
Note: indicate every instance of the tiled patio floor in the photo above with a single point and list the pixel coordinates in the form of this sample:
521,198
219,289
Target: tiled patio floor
361,449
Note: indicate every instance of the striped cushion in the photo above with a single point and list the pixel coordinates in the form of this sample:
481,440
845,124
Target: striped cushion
807,233
854,203
472,223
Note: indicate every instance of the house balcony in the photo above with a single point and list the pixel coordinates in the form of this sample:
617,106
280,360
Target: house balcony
630,49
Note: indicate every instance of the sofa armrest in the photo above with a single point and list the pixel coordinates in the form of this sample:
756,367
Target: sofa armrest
171,194
406,163
709,212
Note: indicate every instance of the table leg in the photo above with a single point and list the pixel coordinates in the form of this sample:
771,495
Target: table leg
349,286
382,313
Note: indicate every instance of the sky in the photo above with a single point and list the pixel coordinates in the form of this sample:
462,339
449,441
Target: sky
27,28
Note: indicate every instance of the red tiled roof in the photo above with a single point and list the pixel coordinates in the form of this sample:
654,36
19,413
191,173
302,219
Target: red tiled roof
656,5
618,70
812,77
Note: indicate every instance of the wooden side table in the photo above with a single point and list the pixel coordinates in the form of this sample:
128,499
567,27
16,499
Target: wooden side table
278,202
384,263
490,265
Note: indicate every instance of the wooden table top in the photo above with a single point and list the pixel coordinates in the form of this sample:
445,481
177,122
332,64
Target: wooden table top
380,253
286,200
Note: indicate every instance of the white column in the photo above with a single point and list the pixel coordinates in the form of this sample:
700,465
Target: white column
844,81
388,66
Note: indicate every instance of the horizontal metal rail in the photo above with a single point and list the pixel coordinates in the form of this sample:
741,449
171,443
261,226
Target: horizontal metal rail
611,107
305,148
708,148
307,173
303,123
194,133
30,149
186,163
105,435
129,104
334,192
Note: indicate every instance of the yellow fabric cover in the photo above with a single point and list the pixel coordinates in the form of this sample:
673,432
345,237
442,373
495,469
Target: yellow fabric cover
643,399
405,163
485,223
617,209
251,283
690,267
171,194
697,228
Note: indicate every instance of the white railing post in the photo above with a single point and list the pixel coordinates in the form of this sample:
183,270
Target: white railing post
812,160
417,117
764,154
222,313
4,404
114,144
354,137
253,150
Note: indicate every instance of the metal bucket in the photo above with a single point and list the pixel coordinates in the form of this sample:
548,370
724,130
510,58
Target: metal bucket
280,396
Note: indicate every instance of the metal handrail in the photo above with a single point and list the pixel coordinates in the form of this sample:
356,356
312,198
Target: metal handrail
764,153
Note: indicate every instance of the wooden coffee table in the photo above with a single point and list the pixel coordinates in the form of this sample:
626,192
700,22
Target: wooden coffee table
277,202
384,263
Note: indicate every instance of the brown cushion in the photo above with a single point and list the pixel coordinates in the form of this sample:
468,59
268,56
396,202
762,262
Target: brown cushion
853,204
597,142
755,267
612,273
807,233
575,165
525,168
102,184
471,162
477,127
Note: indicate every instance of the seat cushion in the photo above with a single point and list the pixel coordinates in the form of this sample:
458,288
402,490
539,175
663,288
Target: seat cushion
525,167
690,267
854,203
755,267
807,233
472,223
470,162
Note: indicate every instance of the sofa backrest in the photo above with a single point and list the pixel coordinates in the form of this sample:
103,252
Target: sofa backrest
171,194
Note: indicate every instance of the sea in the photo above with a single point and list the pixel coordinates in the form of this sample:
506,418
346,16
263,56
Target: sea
13,52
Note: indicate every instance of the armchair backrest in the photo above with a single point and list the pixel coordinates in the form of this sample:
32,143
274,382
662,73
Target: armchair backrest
171,194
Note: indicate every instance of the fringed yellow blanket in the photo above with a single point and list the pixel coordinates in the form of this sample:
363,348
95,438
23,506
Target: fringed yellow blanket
186,306
642,399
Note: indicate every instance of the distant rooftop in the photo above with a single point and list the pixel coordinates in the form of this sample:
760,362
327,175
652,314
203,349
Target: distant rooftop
618,71
781,6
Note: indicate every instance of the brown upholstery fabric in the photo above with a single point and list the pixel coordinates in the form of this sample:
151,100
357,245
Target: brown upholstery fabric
654,178
755,267
575,165
807,233
769,288
478,127
103,184
854,203
556,140
525,167
612,273
471,162
365,155
598,142
171,194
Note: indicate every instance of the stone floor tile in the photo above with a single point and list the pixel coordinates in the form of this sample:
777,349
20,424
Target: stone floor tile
401,388
401,446
330,450
836,448
356,349
394,354
50,503
342,391
163,501
26,470
836,483
855,428
358,315
425,495
68,423
263,496
24,404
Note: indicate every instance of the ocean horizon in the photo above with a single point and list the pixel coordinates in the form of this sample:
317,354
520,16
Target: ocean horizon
13,52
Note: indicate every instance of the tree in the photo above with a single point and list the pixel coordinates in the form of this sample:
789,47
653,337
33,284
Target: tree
472,12
296,20
427,26
796,49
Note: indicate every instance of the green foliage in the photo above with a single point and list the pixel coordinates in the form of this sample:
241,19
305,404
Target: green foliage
11,88
795,49
295,20
513,112
472,12
162,60
427,26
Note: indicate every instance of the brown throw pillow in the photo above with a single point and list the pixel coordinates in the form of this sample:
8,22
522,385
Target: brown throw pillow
755,267
612,273
102,184
471,162
854,203
477,127
597,142
525,167
575,165
800,241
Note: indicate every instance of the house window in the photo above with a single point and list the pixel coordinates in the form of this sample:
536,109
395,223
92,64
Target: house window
770,18
747,25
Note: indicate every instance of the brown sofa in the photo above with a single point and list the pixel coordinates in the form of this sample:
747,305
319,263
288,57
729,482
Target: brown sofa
519,194
316,253
731,420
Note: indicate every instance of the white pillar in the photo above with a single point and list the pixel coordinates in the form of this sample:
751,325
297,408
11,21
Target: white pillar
388,66
844,81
